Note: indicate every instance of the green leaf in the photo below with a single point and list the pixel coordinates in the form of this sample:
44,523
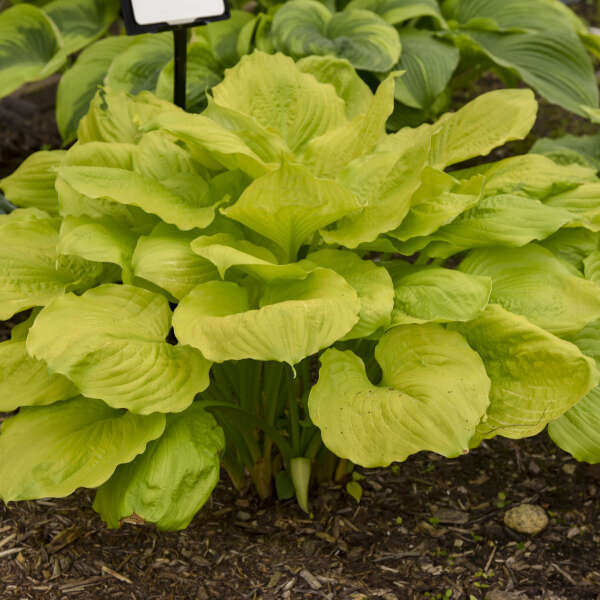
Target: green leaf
288,205
355,490
483,124
164,257
305,27
582,203
385,183
530,281
372,283
203,72
29,47
398,11
32,184
572,245
341,74
328,154
434,392
98,241
587,147
78,443
429,63
274,92
25,381
139,66
180,200
80,22
440,296
31,273
172,479
111,343
295,318
535,376
438,201
577,430
503,220
79,84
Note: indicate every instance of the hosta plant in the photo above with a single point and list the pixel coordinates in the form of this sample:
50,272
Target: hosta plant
278,286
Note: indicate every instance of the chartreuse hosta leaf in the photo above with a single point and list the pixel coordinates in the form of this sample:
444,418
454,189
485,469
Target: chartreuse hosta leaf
582,203
439,199
398,11
294,319
288,205
439,295
78,443
341,74
577,431
527,38
172,479
532,282
98,241
328,154
274,92
25,381
385,183
31,271
580,149
111,343
81,21
535,376
32,184
503,220
29,47
304,27
572,245
372,283
165,258
80,83
432,396
428,63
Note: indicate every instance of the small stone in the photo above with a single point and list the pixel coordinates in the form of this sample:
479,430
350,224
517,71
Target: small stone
502,595
533,468
526,518
243,516
569,468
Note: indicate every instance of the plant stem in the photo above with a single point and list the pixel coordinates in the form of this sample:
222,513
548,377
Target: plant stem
294,418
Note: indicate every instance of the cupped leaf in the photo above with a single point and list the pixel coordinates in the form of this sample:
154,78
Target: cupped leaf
398,11
433,393
172,479
98,241
29,47
274,92
530,281
25,381
295,318
80,83
80,22
504,220
440,296
572,245
165,258
182,200
31,272
305,27
385,183
372,283
111,343
32,184
288,205
577,431
341,74
535,376
429,63
582,203
138,68
78,443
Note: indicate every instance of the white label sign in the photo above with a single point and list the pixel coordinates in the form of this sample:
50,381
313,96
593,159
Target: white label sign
149,12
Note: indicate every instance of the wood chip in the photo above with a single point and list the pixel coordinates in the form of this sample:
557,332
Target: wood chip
7,539
10,552
116,575
312,581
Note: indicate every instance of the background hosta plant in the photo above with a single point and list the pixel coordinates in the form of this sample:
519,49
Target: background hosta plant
187,275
